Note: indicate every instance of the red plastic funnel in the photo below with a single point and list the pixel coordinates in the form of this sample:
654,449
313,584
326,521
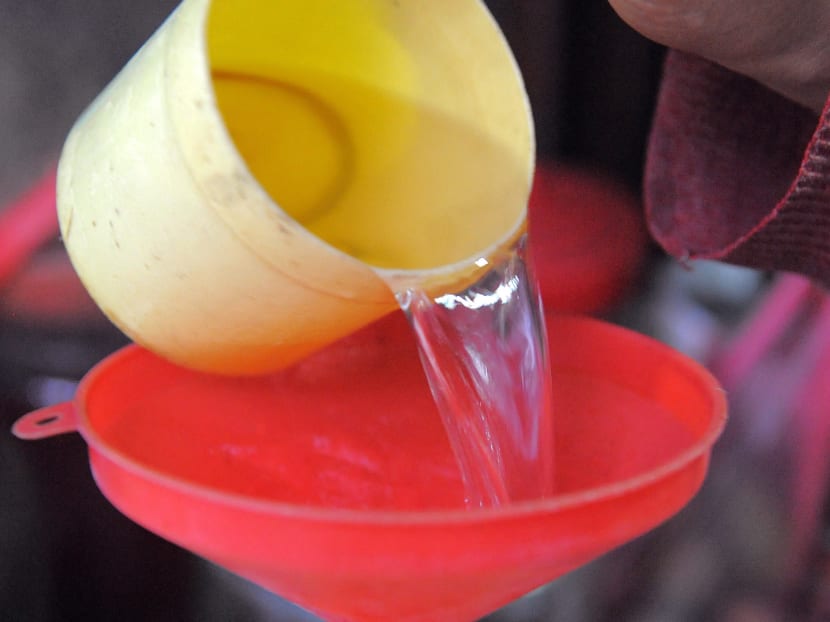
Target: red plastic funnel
333,485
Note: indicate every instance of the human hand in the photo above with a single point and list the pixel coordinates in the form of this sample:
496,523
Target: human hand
784,44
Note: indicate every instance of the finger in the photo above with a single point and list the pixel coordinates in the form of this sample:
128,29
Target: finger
781,44
671,23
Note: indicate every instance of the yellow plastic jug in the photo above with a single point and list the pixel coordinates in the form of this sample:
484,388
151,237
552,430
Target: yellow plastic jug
262,175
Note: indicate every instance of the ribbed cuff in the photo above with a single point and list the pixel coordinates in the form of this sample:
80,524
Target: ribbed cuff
738,173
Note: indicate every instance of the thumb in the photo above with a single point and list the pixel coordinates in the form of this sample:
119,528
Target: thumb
672,23
780,44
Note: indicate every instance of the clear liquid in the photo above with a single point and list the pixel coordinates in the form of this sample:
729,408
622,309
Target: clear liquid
393,183
485,356
402,189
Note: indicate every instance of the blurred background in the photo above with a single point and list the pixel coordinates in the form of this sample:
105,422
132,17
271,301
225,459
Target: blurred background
751,547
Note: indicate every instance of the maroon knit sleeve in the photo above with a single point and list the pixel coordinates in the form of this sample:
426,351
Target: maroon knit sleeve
738,173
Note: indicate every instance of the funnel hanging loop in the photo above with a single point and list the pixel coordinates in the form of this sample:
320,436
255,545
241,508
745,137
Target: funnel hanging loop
45,422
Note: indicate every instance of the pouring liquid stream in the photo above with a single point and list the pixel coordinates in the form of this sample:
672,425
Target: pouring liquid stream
484,354
384,201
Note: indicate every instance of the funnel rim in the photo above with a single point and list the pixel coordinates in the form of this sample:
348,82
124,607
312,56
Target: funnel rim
700,448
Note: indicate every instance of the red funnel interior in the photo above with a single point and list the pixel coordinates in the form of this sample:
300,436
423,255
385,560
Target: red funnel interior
333,485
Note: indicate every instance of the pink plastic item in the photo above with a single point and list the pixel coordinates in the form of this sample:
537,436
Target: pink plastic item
26,224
